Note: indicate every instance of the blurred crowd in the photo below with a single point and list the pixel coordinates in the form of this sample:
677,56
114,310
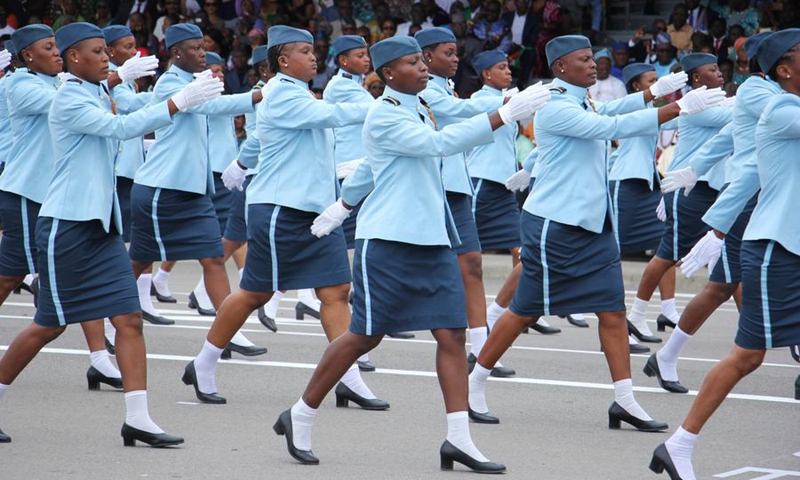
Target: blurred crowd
520,28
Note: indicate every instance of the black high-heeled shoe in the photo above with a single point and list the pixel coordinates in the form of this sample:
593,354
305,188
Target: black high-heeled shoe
131,435
662,322
301,310
401,335
500,371
266,320
651,369
545,329
159,297
662,461
190,378
284,427
449,453
156,319
482,417
251,351
637,348
195,305
617,414
365,366
797,388
95,378
110,348
641,336
4,438
580,323
345,395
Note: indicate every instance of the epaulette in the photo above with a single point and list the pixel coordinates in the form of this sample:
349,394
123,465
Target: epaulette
76,80
423,102
558,89
347,75
391,100
170,73
760,74
286,80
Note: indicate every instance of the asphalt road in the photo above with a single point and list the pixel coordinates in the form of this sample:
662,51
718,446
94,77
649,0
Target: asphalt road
553,413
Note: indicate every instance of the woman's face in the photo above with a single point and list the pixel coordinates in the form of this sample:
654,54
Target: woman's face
579,68
122,50
388,29
707,75
376,88
136,22
442,59
645,81
498,76
88,60
355,61
42,56
210,44
664,53
407,74
298,60
190,55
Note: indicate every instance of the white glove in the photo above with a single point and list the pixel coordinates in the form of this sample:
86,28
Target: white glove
329,220
729,102
661,211
524,104
345,169
233,176
197,92
204,75
511,92
5,59
519,181
668,84
705,253
64,76
683,178
700,99
137,67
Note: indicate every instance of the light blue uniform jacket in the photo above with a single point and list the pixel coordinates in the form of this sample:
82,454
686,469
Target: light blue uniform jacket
635,158
222,145
6,136
696,130
496,161
346,88
86,137
131,152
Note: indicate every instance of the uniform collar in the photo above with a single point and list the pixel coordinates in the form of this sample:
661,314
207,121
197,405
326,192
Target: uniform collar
492,90
573,90
282,77
440,81
406,100
112,67
349,76
181,73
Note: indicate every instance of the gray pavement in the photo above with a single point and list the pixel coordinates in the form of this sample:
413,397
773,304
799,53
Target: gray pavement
553,413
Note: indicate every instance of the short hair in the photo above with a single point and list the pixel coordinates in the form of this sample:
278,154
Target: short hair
272,57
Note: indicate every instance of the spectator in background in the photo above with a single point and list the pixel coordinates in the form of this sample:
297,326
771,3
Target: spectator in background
524,31
413,29
248,9
734,33
214,41
126,8
697,16
388,29
171,7
344,9
324,71
679,31
140,32
380,16
366,34
720,41
741,69
643,49
702,43
491,29
665,55
435,14
726,68
418,18
69,14
553,21
472,10
102,15
621,58
737,12
236,77
5,28
607,87
374,84
212,18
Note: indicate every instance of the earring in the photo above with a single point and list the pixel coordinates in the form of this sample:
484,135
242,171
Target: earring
488,78
562,70
391,78
177,56
344,64
76,60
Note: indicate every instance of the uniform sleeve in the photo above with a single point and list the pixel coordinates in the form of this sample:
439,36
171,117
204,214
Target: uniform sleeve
448,105
783,119
732,201
716,117
358,184
294,108
30,98
345,91
81,115
248,154
627,104
569,120
713,151
408,137
129,101
530,160
236,104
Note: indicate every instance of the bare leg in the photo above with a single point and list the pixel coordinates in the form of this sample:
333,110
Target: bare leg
24,348
509,287
508,327
451,368
666,286
216,280
472,276
613,334
737,297
334,310
704,304
131,354
232,314
514,256
229,248
239,255
7,285
140,267
651,277
93,331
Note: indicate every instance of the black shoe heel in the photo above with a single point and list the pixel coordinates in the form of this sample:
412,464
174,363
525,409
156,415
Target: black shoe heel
651,369
486,418
344,395
159,297
266,320
617,415
449,453
545,330
4,438
446,462
251,351
131,435
190,378
95,378
663,322
284,427
661,461
641,336
110,348
226,354
301,310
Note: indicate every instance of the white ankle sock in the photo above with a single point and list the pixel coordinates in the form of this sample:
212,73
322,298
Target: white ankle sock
241,273
101,361
240,339
3,389
143,284
352,378
578,316
161,281
458,435
307,297
542,322
668,310
302,423
202,296
364,358
638,311
632,340
477,337
668,355
477,389
271,307
109,331
680,446
136,414
205,365
623,395
493,313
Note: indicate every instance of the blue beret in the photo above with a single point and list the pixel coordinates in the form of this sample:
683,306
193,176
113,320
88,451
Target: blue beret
773,47
620,45
434,36
179,32
9,45
213,59
260,54
392,48
488,59
604,53
634,70
347,42
560,46
30,34
115,32
280,34
752,43
69,35
693,60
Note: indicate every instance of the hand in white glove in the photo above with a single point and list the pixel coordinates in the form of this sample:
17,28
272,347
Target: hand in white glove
729,102
524,104
519,181
5,59
233,176
700,99
661,211
137,67
345,169
668,84
197,92
705,253
683,178
64,76
329,220
511,92
204,75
